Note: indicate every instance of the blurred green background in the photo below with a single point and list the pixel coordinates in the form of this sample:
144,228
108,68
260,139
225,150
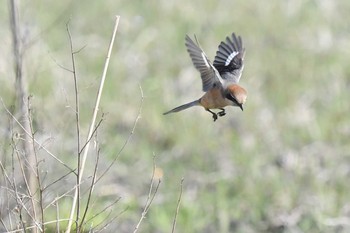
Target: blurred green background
282,165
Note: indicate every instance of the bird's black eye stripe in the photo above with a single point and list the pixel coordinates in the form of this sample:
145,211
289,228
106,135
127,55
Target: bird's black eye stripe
230,97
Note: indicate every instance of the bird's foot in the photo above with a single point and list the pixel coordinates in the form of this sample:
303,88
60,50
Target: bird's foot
215,117
222,112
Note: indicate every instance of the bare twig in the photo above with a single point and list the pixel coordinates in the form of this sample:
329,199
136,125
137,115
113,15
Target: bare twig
77,121
31,227
36,171
57,217
103,210
19,199
150,197
8,183
76,90
91,188
59,197
111,220
22,221
57,180
3,224
95,180
63,67
127,140
94,131
177,206
92,125
28,133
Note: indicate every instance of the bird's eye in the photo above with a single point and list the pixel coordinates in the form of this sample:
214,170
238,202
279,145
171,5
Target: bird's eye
230,97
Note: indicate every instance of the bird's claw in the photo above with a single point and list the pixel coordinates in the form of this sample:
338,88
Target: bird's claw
222,113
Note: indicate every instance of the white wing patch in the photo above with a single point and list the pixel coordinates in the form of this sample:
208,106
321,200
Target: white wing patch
229,59
205,59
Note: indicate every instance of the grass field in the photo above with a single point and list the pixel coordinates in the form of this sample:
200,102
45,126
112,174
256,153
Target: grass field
281,165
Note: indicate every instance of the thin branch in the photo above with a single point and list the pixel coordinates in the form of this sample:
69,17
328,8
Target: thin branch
57,198
91,188
147,206
59,65
79,50
128,139
37,172
177,206
3,224
150,197
22,222
57,217
77,121
103,210
29,134
89,139
5,174
92,125
31,193
76,90
31,227
54,182
20,205
111,220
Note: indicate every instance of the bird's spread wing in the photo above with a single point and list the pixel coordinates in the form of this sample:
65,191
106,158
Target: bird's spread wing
229,59
208,72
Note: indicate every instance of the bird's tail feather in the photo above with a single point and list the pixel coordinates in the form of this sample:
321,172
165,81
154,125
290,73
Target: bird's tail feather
183,107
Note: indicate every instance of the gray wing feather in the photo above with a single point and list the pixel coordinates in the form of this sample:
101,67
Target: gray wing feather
208,72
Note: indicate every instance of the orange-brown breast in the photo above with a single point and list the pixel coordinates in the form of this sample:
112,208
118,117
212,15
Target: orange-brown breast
214,99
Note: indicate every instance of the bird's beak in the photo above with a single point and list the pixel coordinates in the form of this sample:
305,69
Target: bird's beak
241,106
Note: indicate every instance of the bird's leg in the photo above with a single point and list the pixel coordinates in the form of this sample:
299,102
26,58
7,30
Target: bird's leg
222,112
215,116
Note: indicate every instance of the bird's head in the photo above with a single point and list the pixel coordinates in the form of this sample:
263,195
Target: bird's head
237,95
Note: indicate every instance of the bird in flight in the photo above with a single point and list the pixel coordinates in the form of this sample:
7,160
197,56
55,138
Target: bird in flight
220,78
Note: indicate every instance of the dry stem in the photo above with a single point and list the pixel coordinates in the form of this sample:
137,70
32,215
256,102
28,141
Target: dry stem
92,125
